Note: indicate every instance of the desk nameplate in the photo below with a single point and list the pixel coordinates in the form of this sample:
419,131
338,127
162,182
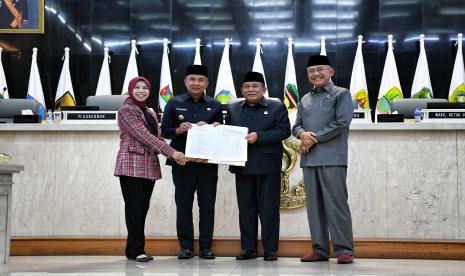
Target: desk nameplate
361,116
90,117
444,115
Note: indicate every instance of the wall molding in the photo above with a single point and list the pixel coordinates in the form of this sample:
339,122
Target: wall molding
230,246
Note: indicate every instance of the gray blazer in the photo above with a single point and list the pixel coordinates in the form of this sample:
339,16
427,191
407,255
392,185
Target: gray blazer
327,113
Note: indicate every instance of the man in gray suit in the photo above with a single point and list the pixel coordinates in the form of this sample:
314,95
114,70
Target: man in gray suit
322,125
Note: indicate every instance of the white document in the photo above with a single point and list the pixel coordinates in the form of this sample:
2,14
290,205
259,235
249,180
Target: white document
221,145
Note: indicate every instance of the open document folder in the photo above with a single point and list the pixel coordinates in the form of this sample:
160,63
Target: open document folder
220,145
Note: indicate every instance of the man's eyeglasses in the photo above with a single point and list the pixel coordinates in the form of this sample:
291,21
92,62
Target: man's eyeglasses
317,69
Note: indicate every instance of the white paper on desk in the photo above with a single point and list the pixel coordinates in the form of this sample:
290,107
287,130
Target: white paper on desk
222,144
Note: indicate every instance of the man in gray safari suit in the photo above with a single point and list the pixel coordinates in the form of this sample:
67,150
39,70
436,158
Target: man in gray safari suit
322,125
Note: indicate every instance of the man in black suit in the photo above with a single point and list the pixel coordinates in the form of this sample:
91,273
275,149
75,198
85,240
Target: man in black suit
258,184
181,112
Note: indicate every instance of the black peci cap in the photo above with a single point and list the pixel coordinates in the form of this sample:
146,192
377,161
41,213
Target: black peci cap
195,69
254,76
318,60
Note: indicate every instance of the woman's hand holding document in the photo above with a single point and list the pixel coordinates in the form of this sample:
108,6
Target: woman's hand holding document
220,144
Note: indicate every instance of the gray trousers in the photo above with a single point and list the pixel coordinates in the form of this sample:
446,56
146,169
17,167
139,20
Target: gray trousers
327,209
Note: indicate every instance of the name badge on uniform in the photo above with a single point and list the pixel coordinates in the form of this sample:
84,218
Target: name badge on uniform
208,109
266,112
181,109
181,117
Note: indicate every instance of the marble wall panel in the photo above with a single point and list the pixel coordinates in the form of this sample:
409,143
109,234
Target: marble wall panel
87,195
294,222
422,185
161,219
68,187
3,223
34,188
366,183
226,210
461,181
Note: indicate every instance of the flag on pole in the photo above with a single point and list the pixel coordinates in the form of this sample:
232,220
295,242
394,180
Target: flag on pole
389,89
34,89
3,86
225,90
457,83
104,81
421,87
257,63
197,60
131,71
166,87
358,80
65,91
323,45
291,92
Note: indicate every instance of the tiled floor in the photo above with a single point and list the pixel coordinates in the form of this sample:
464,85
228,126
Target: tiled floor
170,266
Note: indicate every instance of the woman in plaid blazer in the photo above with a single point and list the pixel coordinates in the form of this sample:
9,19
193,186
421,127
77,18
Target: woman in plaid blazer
137,163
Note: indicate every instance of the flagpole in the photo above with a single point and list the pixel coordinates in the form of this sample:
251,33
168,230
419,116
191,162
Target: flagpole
457,82
323,45
165,91
131,70
3,85
197,59
258,64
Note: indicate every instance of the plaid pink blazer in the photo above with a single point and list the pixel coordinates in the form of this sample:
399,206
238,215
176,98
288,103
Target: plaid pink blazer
138,148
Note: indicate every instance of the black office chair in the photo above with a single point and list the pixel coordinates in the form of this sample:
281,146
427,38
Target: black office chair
11,107
408,106
106,103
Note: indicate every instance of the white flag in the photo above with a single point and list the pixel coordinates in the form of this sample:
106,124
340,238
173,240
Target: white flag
291,92
323,45
457,83
225,91
257,63
131,71
197,60
104,81
3,86
166,87
389,89
65,91
421,87
34,89
358,81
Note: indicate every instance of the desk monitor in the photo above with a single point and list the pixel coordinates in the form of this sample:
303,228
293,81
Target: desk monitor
107,102
408,106
446,105
11,107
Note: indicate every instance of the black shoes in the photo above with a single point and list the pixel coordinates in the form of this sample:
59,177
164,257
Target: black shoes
251,254
270,256
247,255
141,258
206,254
185,254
